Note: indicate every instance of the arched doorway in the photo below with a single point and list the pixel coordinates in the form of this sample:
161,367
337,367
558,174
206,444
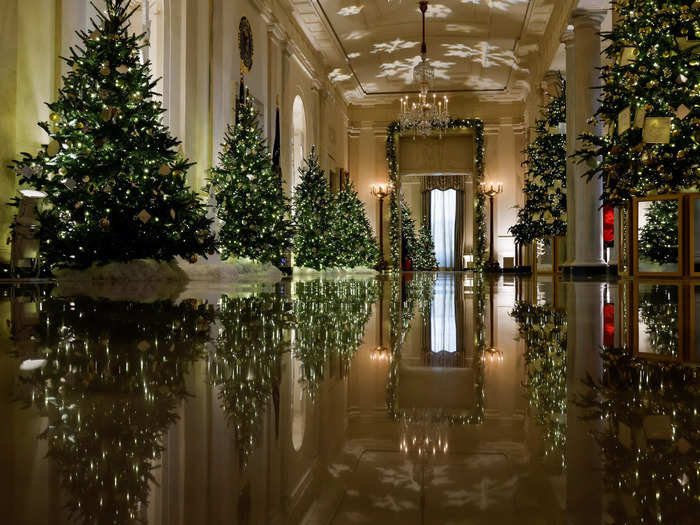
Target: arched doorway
298,140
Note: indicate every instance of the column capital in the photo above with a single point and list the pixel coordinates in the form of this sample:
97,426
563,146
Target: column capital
584,18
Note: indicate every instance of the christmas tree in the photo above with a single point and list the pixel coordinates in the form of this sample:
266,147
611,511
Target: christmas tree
313,215
409,240
425,249
650,102
252,209
115,182
352,233
658,237
544,212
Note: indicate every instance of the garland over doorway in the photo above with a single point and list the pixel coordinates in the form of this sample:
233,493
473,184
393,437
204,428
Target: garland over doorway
392,136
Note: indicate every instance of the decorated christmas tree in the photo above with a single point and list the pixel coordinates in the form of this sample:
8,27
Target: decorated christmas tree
544,212
116,184
658,237
352,233
650,102
253,212
313,215
409,240
425,249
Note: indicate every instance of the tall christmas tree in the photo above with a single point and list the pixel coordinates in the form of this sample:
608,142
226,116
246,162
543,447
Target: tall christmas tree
425,249
651,96
544,212
352,233
313,215
254,214
115,182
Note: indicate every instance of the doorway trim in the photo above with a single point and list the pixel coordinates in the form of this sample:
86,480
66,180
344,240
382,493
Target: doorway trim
393,133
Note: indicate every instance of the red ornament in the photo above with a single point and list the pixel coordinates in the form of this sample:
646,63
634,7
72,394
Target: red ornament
608,225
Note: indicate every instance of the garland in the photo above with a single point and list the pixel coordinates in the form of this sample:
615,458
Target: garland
480,245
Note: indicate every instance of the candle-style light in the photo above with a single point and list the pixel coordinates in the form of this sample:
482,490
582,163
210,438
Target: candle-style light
491,189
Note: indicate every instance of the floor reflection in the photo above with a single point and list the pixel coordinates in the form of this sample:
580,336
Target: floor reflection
430,398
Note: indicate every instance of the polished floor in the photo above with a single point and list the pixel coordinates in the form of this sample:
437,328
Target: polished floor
430,399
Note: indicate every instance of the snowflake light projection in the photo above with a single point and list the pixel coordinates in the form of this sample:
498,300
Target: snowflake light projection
499,5
357,34
437,11
461,28
482,83
391,47
485,54
351,10
338,75
403,69
354,55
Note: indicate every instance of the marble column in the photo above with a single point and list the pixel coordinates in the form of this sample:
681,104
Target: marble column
568,40
588,218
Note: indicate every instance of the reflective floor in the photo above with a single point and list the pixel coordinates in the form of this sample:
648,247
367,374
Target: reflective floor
430,399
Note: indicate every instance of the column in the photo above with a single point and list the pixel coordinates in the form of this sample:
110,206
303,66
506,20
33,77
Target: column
588,217
568,40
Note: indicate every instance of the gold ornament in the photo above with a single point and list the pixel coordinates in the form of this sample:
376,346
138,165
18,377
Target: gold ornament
104,223
52,148
164,170
193,259
55,117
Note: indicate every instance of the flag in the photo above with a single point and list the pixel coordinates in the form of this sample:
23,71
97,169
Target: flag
276,146
241,96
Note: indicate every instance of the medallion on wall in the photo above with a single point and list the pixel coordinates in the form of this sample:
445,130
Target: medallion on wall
245,44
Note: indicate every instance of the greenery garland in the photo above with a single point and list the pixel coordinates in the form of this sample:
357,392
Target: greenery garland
480,244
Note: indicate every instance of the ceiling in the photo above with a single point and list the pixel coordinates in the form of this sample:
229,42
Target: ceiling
475,46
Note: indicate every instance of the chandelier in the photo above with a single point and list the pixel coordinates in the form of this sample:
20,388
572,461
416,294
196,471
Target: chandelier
424,115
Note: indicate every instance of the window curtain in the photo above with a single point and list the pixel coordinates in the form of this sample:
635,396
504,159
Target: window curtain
443,214
443,317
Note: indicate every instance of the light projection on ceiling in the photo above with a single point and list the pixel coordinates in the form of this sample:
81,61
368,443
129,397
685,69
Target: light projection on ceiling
338,75
483,53
475,45
437,11
460,28
357,34
394,45
403,69
482,83
350,10
500,5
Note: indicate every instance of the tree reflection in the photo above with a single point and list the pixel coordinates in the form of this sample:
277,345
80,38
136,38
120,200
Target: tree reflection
649,439
113,375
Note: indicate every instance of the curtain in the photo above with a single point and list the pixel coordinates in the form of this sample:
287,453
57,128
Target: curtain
443,317
443,211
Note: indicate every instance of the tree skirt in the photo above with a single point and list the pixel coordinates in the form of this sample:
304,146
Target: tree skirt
303,271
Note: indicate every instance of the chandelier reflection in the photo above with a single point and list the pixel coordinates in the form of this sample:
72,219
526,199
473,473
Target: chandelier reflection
423,433
427,113
380,354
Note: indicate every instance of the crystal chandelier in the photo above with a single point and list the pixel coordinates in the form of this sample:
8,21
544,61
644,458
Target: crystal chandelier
424,115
